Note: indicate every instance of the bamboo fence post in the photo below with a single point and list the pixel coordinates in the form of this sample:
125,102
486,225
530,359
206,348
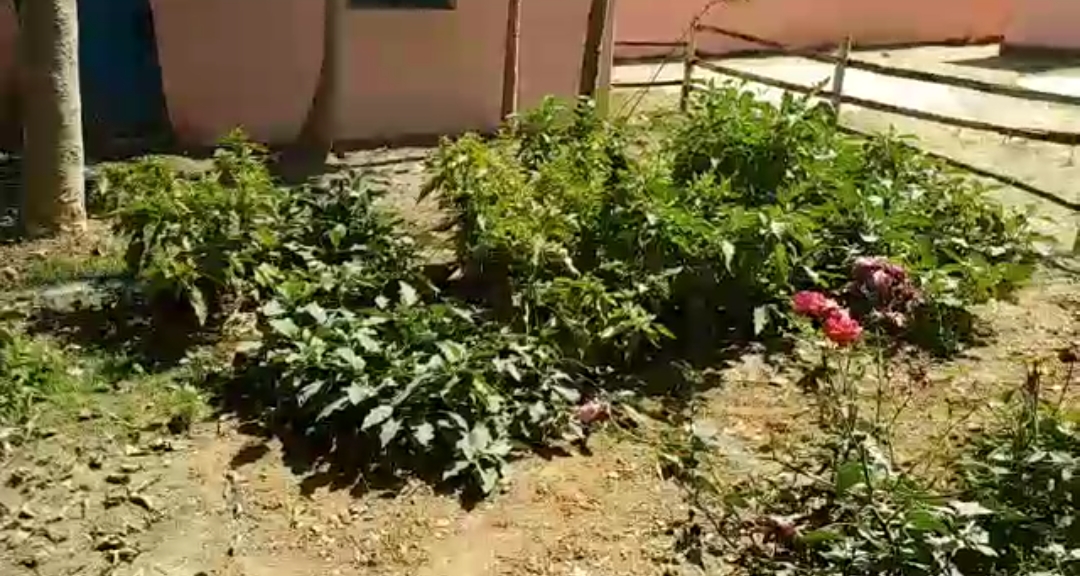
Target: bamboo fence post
838,76
511,63
689,57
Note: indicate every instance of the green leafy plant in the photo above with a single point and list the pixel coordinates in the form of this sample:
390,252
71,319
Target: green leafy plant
739,204
190,239
1027,471
843,506
30,372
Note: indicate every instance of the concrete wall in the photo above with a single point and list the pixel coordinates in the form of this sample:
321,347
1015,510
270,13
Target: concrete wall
807,23
255,63
1044,24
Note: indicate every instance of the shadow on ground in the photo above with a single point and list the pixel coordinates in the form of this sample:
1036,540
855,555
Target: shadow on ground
1022,63
109,317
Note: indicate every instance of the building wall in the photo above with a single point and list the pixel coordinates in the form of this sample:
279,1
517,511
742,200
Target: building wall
806,23
255,63
1044,24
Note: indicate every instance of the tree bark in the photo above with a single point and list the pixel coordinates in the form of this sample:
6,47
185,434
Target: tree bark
511,64
599,16
320,128
53,157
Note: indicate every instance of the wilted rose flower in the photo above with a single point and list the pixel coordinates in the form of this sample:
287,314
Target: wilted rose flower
864,266
814,304
592,411
896,319
881,282
842,329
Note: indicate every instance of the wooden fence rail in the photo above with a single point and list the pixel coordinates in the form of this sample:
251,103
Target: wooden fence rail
692,58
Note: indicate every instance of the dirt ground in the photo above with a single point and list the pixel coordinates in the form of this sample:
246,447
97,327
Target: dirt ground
223,499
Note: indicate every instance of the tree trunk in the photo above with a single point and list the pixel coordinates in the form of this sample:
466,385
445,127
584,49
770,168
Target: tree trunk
599,16
320,128
511,64
53,187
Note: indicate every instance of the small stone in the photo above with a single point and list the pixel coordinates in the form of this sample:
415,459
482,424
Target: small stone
25,513
118,479
84,414
55,535
130,467
9,274
18,477
109,542
114,500
142,502
161,445
95,462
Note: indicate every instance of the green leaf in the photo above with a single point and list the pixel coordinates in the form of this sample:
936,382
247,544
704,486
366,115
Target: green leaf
728,250
273,308
307,392
317,313
377,416
848,476
357,393
198,305
489,479
409,296
456,469
337,234
285,327
332,407
424,434
969,509
761,319
349,356
453,352
389,431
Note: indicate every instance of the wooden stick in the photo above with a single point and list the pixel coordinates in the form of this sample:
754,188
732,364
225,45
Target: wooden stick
511,63
838,76
1055,136
909,73
689,56
594,48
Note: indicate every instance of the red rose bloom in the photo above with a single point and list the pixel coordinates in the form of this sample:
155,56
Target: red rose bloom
814,304
842,329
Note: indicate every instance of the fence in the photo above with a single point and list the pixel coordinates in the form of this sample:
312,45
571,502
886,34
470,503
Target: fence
692,59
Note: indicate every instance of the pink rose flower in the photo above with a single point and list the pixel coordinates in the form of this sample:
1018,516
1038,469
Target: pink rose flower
842,329
814,304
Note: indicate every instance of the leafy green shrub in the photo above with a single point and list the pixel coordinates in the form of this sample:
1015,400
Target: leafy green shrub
705,235
30,372
1027,471
190,239
832,198
425,385
354,344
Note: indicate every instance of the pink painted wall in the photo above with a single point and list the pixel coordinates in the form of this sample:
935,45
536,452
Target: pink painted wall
805,23
1044,24
254,63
